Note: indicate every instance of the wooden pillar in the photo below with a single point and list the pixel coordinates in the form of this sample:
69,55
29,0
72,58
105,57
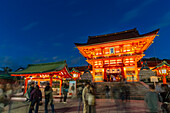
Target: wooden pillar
61,82
26,83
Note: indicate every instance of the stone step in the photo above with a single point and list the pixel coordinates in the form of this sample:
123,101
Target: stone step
137,89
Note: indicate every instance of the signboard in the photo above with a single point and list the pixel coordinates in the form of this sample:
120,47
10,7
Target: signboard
72,87
154,79
112,50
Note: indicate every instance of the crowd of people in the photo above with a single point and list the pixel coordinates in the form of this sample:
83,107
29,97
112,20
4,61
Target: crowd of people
156,94
5,96
86,94
34,96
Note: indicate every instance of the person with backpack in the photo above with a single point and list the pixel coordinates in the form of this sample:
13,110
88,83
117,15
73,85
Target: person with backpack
35,98
48,98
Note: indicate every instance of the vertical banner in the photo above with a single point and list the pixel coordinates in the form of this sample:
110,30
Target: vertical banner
72,87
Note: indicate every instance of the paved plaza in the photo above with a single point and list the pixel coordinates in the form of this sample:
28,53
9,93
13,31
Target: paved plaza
102,106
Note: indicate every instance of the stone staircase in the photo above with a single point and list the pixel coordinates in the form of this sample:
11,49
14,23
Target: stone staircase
137,89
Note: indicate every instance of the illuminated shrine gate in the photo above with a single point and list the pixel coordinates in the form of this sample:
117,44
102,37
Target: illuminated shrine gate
44,72
116,54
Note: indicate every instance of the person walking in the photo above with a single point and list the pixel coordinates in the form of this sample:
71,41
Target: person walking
91,100
164,98
2,98
79,96
8,93
35,98
151,99
127,92
48,98
85,97
107,89
65,91
31,88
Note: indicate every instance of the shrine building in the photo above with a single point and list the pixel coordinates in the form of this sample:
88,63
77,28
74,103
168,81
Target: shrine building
116,54
55,71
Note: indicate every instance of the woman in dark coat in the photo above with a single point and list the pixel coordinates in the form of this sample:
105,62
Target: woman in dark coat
35,98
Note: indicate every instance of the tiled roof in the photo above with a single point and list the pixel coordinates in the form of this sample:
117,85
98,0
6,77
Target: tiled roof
129,34
73,69
4,75
161,64
42,68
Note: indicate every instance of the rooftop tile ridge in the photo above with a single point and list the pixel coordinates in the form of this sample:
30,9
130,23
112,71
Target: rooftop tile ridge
116,33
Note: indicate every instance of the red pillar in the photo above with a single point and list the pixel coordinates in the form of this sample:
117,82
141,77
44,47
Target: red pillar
164,79
39,83
61,82
26,82
51,79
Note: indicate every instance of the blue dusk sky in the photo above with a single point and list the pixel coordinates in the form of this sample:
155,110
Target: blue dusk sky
42,31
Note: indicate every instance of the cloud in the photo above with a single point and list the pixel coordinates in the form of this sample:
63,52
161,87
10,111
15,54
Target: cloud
40,60
56,44
8,61
30,26
135,12
163,22
55,58
75,61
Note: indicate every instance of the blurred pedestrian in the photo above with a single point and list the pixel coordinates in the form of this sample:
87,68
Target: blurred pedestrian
35,98
79,96
8,94
122,92
91,100
48,98
164,98
65,91
151,99
85,97
127,92
116,96
158,88
107,89
31,88
2,98
108,78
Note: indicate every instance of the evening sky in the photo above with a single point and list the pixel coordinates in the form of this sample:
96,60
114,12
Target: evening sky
41,31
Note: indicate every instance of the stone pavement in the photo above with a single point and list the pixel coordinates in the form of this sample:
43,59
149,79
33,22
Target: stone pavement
102,106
